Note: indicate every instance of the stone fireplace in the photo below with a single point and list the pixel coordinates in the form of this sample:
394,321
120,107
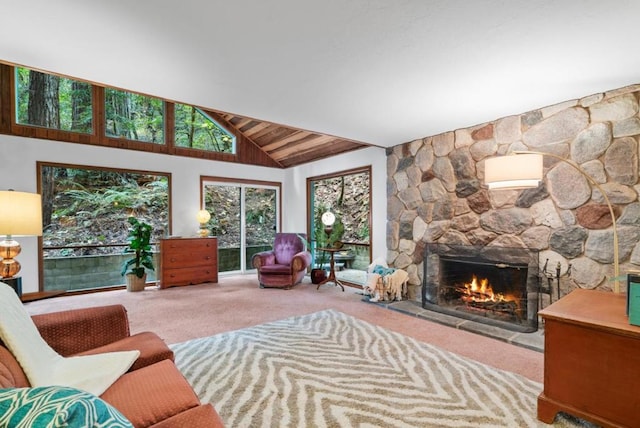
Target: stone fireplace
435,195
492,285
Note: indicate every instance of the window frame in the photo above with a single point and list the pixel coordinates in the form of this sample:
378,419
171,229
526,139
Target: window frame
98,137
211,118
243,184
311,209
39,187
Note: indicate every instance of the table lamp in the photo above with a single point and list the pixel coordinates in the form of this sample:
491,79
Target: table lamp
203,218
20,215
328,219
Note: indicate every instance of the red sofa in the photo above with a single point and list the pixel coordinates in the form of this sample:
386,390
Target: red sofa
153,393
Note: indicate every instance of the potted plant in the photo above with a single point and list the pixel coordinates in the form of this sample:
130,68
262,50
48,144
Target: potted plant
319,236
318,273
134,269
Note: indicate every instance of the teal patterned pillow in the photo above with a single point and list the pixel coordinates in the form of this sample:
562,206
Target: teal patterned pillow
56,406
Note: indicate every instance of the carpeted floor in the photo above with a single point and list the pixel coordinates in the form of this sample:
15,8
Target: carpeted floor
179,314
329,369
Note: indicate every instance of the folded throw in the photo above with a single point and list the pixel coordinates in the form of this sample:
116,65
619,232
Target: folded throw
43,365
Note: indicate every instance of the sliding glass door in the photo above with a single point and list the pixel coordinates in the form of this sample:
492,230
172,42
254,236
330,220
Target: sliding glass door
244,217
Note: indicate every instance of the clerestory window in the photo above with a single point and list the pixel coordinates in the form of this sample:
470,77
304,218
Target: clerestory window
195,129
53,102
113,117
133,116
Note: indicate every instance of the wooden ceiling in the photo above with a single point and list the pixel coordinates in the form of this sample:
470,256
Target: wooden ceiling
287,146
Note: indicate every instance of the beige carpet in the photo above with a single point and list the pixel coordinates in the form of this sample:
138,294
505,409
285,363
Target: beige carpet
329,369
179,314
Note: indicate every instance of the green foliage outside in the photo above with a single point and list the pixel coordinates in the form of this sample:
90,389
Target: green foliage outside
134,116
55,102
196,130
91,207
321,239
65,102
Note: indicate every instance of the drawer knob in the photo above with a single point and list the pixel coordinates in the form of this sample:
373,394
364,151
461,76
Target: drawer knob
173,259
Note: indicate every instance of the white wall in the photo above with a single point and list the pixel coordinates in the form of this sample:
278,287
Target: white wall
295,192
18,157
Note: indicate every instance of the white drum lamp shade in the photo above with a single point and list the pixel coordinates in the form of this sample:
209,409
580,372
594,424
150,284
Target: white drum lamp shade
513,171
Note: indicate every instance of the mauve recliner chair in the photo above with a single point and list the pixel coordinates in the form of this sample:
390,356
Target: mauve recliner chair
285,265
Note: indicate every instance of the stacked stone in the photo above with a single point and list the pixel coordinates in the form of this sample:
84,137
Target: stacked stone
435,190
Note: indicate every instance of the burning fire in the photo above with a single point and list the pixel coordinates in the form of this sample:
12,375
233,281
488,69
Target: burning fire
481,291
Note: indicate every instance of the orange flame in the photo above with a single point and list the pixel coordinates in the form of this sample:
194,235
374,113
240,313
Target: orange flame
481,291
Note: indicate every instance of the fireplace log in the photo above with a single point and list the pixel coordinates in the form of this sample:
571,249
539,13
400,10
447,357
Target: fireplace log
506,306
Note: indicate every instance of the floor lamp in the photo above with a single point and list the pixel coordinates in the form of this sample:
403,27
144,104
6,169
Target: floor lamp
523,169
20,215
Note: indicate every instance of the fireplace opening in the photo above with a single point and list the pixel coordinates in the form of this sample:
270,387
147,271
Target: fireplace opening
492,285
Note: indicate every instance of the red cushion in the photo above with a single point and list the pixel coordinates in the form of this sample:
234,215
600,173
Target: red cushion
152,349
151,394
11,374
203,416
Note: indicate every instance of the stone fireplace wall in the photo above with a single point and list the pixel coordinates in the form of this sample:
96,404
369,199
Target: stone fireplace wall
435,190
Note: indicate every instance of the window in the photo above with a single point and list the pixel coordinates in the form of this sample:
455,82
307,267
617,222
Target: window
53,102
55,107
244,217
133,116
84,215
194,129
347,195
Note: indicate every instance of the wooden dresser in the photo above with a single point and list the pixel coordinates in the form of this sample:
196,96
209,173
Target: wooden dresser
185,261
591,360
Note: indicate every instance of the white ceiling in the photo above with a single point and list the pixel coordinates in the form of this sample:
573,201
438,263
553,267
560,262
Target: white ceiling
382,72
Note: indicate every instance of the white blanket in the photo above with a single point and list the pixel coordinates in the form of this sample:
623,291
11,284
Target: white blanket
44,366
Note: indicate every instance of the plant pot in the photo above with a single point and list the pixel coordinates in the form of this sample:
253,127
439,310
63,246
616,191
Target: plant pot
134,283
318,275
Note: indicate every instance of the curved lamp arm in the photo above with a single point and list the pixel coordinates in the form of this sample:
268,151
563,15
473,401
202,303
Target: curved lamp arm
616,263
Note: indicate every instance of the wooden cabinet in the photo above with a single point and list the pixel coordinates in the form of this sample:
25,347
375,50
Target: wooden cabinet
591,360
185,261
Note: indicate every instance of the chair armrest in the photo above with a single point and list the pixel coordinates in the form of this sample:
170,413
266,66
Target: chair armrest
301,261
263,258
78,330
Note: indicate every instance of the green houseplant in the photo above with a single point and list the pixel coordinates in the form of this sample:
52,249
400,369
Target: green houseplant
319,236
135,267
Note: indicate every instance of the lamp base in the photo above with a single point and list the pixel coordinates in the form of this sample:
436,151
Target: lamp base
9,249
15,283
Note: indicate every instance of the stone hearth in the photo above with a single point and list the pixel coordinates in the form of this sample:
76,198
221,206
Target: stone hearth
533,341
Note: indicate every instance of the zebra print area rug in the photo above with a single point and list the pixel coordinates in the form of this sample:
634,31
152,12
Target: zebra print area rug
328,369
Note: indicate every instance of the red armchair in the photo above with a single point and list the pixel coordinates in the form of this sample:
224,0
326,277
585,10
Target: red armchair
152,394
285,265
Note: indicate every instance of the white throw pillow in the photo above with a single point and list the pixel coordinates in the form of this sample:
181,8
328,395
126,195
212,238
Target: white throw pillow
43,365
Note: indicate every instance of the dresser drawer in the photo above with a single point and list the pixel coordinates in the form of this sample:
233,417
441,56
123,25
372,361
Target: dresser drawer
187,276
188,257
191,245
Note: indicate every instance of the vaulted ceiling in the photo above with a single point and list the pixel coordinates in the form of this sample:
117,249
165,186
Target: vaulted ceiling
306,79
289,146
